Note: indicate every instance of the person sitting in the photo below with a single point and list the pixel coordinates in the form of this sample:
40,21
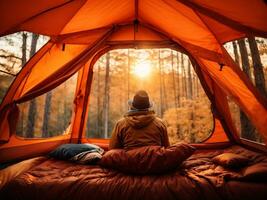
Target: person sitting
139,127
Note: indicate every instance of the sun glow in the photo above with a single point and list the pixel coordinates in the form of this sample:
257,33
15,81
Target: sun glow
142,69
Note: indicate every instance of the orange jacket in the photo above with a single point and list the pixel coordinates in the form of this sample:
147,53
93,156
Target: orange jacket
139,129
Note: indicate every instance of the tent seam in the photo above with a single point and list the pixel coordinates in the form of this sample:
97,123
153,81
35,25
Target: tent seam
72,17
181,12
15,27
208,27
225,20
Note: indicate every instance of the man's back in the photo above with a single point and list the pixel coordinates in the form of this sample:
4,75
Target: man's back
139,129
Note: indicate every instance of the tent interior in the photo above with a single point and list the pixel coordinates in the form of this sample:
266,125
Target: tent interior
92,42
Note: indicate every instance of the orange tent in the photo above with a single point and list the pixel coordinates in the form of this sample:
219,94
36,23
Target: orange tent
82,30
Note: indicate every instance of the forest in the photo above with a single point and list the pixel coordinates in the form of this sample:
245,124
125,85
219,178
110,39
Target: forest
170,81
168,77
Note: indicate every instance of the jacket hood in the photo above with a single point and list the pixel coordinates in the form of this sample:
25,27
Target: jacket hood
140,121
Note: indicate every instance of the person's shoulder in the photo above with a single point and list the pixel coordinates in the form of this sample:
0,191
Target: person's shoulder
121,122
159,122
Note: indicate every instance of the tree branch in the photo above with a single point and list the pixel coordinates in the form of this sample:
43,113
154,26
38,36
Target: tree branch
10,56
7,72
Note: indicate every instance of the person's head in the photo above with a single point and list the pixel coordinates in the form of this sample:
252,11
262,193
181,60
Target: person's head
140,101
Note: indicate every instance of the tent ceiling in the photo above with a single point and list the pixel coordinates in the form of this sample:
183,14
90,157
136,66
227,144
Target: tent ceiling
208,20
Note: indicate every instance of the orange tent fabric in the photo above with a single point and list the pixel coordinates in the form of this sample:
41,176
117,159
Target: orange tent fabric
82,30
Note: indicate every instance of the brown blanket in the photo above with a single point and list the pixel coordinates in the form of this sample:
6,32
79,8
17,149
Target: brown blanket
197,178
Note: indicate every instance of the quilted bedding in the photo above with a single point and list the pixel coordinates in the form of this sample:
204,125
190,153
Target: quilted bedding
197,178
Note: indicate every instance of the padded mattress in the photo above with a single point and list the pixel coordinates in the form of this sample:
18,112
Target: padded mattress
197,178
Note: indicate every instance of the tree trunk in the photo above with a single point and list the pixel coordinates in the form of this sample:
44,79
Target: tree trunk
236,53
197,86
174,83
191,132
66,116
257,66
247,130
98,118
183,77
106,96
128,74
193,86
35,38
160,85
32,108
24,49
31,119
47,113
176,101
190,92
125,95
23,62
244,57
178,80
165,102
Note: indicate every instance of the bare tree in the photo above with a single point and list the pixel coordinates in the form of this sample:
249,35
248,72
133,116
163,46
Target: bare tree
197,85
106,96
192,121
178,79
160,85
47,113
237,60
24,49
98,101
24,35
164,88
32,108
184,84
190,89
257,66
244,57
128,72
173,81
247,130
